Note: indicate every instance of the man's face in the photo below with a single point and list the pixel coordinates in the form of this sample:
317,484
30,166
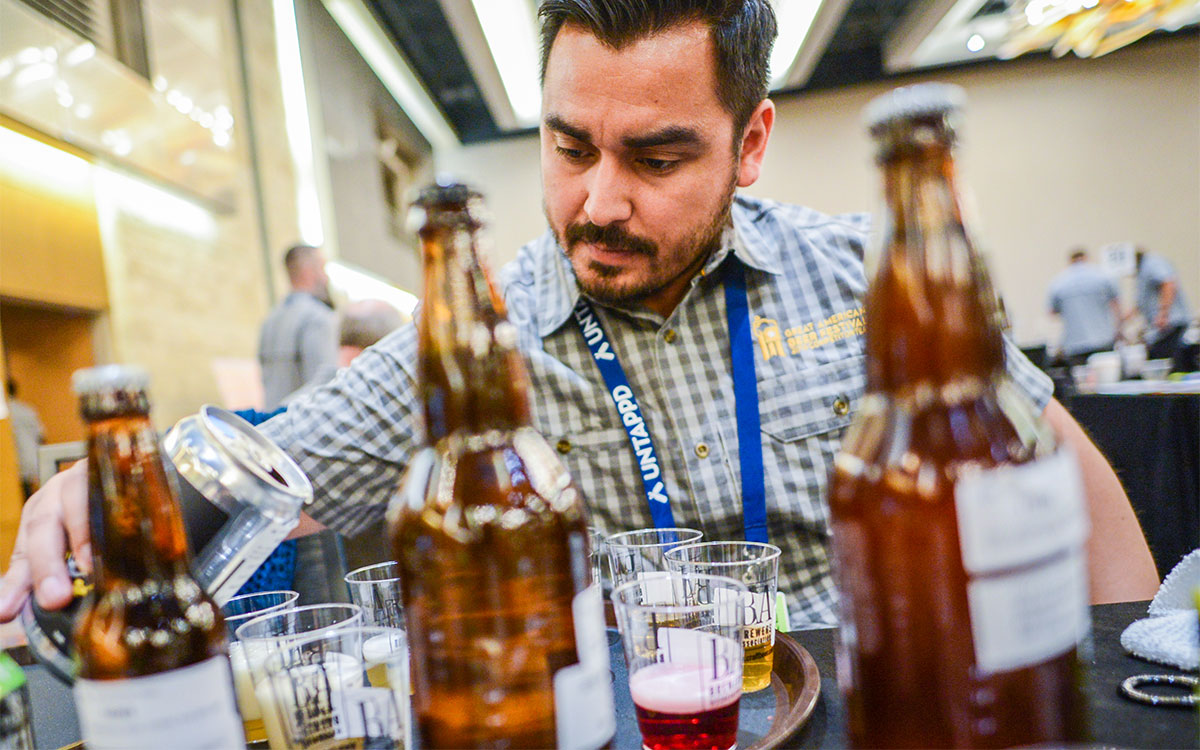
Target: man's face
638,167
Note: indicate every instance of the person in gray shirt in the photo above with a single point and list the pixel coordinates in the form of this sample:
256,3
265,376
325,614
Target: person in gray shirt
1162,304
29,434
1086,299
298,342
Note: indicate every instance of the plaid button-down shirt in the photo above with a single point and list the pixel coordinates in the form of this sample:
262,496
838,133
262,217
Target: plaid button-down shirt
805,284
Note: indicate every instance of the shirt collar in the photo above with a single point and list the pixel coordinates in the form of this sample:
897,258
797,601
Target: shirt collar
558,290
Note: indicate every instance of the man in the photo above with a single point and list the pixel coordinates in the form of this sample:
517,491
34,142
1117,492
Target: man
362,323
1086,299
296,346
1162,305
29,434
653,113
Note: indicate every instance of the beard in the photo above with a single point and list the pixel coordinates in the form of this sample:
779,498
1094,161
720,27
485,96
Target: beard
604,283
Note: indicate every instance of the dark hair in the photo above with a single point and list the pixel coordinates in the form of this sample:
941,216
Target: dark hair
742,33
297,256
1078,254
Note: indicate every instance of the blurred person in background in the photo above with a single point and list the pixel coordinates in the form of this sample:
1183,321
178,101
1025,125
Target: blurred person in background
1162,305
29,434
1087,301
362,323
297,345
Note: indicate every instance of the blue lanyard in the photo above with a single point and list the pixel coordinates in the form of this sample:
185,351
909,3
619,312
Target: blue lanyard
745,391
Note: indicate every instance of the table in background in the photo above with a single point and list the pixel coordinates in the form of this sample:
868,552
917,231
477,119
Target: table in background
1153,443
1115,720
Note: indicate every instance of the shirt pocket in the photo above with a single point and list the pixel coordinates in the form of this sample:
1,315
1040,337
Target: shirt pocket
804,415
812,401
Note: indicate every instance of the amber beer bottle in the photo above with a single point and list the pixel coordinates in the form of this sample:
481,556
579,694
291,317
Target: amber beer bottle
153,659
958,525
505,627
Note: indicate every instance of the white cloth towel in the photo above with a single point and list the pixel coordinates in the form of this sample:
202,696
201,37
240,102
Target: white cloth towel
1171,634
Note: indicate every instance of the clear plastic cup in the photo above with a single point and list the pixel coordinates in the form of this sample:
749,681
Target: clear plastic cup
376,588
267,634
346,687
683,647
637,555
755,564
238,610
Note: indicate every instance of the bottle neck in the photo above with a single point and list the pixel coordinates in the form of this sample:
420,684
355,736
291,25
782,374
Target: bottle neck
931,311
137,528
471,376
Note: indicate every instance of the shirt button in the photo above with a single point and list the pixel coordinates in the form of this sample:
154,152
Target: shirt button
563,446
669,335
701,450
841,406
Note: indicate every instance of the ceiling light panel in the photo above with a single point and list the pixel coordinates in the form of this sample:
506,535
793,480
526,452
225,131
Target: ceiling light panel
510,27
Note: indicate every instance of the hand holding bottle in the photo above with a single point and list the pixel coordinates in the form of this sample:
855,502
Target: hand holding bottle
53,522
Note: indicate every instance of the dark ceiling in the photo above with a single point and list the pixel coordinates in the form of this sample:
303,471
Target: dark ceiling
422,33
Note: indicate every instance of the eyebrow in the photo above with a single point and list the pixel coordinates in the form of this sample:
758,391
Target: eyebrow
555,122
673,135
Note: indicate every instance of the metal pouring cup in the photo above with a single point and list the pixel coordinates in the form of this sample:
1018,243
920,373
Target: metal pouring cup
240,495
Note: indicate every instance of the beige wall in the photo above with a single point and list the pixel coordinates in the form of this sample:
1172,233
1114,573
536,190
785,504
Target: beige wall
183,295
1055,153
276,171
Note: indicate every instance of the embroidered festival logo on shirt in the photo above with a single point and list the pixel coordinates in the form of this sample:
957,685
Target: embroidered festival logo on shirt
801,338
766,330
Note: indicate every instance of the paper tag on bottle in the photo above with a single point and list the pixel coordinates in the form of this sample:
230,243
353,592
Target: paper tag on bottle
585,716
191,707
1013,516
1022,619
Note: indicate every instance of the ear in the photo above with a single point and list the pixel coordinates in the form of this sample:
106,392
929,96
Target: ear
754,142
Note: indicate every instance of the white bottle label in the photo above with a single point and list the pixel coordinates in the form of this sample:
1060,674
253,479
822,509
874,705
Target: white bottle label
1022,531
191,707
1022,619
583,699
1012,516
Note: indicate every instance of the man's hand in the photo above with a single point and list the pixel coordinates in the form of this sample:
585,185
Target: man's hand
55,516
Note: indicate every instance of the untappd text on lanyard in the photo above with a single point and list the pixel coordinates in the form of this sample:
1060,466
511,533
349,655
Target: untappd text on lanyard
745,391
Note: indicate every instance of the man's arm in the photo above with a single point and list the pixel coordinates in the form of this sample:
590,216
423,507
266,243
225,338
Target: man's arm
1166,298
353,438
1120,567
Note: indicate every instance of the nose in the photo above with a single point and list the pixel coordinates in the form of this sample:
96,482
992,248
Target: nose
609,200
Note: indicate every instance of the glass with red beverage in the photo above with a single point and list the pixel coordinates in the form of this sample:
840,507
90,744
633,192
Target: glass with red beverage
683,646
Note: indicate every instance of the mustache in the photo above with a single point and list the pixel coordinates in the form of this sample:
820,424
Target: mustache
611,235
